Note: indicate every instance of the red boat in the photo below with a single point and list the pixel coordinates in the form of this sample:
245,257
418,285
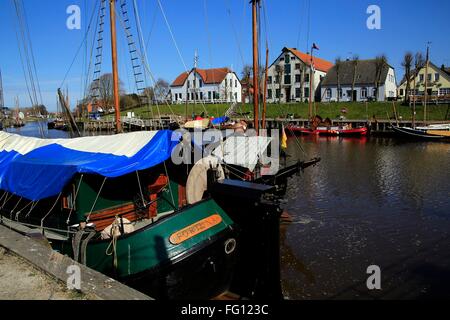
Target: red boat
328,131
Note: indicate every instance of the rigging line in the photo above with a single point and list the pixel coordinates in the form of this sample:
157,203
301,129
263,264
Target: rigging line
94,38
22,61
140,188
79,48
171,34
236,38
74,199
31,209
300,23
28,53
96,199
32,52
21,29
51,209
309,26
152,26
170,189
140,36
147,69
205,7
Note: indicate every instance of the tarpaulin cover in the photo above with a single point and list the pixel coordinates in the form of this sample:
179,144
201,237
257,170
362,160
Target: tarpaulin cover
220,120
40,168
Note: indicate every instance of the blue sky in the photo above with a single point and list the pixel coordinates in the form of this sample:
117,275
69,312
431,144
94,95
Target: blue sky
222,37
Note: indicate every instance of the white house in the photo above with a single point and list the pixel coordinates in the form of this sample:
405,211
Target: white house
288,76
366,76
208,85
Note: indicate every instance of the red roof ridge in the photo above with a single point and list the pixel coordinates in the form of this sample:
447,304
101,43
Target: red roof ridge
209,76
319,63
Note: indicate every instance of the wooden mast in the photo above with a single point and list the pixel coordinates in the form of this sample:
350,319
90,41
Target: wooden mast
426,86
112,4
265,89
255,3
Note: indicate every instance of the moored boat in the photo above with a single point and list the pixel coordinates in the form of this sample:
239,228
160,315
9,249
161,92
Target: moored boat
328,131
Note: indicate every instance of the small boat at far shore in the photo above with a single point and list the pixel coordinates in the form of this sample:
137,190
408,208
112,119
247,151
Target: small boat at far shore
431,132
328,131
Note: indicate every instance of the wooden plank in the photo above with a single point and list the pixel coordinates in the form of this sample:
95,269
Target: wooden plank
55,264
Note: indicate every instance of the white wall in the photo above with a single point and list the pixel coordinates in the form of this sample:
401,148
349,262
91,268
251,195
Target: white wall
205,92
294,85
389,89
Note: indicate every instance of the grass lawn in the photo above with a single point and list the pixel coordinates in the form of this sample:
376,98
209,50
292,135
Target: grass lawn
355,110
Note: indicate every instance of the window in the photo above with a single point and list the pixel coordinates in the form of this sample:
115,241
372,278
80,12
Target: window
297,92
180,95
421,78
297,66
401,92
436,76
269,79
429,77
277,79
201,95
374,92
287,69
340,93
226,82
269,94
298,78
287,79
235,83
216,95
188,84
188,96
329,93
286,59
444,91
307,77
277,93
364,93
209,95
306,93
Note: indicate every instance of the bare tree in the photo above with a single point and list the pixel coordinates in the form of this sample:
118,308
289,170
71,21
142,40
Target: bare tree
380,64
102,90
338,64
407,64
279,71
355,62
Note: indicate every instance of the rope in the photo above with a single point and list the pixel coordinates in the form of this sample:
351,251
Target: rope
80,47
31,209
74,199
140,188
51,209
112,247
95,202
171,34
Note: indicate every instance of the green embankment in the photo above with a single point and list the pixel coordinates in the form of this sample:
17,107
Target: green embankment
381,110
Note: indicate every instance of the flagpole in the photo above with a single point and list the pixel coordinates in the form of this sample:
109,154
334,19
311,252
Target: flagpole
311,81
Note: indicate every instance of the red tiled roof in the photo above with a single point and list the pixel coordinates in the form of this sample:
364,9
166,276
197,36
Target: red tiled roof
209,76
319,64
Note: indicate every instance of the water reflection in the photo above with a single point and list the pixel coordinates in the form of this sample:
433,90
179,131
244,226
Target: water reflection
370,201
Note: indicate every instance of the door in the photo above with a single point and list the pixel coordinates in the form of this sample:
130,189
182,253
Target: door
288,94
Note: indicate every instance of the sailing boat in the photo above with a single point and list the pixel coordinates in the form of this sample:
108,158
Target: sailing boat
435,132
117,205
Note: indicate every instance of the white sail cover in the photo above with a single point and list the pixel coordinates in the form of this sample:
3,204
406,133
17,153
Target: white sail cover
242,151
39,168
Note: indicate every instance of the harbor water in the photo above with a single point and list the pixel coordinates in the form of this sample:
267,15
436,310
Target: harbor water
370,201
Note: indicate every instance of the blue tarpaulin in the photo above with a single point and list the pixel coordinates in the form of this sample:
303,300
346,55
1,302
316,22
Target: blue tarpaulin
40,168
219,120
